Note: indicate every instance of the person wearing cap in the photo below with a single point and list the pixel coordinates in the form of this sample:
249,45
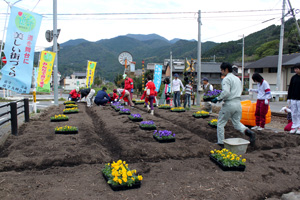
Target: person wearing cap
88,93
74,95
207,87
176,84
102,98
113,95
128,84
231,108
188,91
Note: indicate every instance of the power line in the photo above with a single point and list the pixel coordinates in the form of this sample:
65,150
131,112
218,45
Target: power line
35,5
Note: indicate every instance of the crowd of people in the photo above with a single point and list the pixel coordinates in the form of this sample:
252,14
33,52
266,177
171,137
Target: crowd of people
230,96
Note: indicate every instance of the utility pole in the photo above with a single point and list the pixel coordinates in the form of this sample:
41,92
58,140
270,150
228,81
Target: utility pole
243,62
293,13
278,83
171,70
55,86
199,86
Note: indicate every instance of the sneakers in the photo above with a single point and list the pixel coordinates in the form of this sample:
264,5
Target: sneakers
251,134
260,128
293,131
298,131
255,127
152,112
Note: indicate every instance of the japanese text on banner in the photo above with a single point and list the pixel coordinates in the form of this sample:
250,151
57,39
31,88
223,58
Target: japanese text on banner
90,73
22,32
157,76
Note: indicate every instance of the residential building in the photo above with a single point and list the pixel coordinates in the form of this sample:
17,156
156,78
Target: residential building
210,70
77,79
267,68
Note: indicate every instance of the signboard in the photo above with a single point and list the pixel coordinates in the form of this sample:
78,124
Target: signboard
21,36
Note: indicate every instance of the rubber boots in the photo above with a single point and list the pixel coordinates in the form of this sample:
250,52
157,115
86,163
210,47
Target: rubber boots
148,108
251,134
152,112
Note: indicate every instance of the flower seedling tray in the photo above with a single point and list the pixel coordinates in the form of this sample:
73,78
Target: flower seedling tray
225,168
177,110
70,112
136,119
208,99
213,126
201,116
164,140
66,132
67,106
66,103
59,120
148,128
122,187
124,113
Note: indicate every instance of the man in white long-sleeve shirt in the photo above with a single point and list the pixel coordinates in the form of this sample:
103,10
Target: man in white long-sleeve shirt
176,90
232,108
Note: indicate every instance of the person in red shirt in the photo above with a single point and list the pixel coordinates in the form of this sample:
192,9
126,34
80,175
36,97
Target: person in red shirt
74,95
128,85
113,96
150,92
144,96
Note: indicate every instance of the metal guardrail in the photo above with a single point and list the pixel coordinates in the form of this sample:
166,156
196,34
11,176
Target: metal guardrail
14,114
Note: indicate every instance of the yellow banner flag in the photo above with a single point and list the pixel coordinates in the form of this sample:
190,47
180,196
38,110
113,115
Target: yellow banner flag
45,68
90,73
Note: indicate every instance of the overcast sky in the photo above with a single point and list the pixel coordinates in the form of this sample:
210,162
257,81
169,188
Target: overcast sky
222,21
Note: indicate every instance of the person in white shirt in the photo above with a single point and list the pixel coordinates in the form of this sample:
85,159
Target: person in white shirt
262,103
207,87
176,84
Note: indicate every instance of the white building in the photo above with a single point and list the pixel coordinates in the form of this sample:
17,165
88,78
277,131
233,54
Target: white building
77,79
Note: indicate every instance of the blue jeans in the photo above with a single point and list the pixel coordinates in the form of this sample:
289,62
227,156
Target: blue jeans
176,98
187,99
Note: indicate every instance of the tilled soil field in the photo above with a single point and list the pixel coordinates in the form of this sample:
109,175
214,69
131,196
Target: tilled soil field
38,164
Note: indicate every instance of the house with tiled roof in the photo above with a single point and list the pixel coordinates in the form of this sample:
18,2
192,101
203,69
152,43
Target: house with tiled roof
267,68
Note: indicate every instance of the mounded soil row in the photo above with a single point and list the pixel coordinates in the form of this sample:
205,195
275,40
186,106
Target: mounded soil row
38,164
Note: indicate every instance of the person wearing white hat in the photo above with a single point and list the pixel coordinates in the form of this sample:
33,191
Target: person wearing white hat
74,95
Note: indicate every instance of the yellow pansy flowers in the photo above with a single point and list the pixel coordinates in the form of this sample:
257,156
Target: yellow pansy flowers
118,173
228,158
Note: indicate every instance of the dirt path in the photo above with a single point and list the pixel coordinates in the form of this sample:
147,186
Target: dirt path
38,164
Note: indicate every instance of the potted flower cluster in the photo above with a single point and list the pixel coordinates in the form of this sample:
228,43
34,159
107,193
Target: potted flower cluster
135,117
164,106
114,104
201,114
120,177
164,136
71,105
147,125
69,102
118,108
59,118
66,130
213,123
139,102
211,95
70,110
178,109
124,111
227,160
